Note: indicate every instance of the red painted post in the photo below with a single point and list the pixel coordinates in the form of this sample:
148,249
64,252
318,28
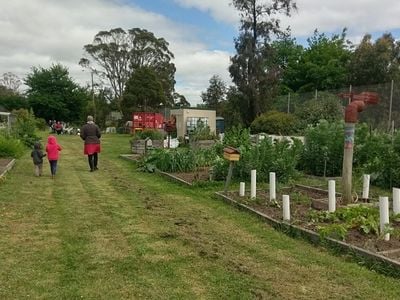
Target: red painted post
357,105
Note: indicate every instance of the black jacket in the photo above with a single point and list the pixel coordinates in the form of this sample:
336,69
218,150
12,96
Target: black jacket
90,133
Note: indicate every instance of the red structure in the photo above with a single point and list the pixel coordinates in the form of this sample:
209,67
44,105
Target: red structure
357,104
142,120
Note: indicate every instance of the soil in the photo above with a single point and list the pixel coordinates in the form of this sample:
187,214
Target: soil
202,174
300,206
4,163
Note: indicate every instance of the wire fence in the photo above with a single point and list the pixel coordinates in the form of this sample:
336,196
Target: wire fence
383,116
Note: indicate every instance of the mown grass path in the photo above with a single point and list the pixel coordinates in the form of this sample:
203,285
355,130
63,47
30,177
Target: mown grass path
120,234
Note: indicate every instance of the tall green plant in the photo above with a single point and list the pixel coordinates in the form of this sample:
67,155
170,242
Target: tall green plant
323,149
24,127
10,147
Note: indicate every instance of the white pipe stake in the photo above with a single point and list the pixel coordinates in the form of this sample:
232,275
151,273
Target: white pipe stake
241,189
384,215
253,184
366,180
272,186
332,196
286,207
396,201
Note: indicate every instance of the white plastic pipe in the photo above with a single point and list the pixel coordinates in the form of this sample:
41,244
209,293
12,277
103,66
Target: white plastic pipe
384,215
365,193
253,184
396,201
241,189
331,196
286,207
272,186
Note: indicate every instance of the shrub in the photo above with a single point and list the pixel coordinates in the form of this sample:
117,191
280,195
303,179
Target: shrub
327,107
323,149
237,137
152,134
10,147
280,157
177,160
275,123
24,127
202,132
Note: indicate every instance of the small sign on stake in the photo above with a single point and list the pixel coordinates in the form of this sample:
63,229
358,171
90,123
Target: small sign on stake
231,154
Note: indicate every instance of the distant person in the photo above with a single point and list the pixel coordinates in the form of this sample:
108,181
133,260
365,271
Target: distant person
58,127
91,134
37,157
53,149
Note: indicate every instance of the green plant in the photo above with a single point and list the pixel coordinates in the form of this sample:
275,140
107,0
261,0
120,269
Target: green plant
362,218
275,122
335,231
202,132
153,134
237,137
279,157
327,107
323,149
24,127
10,147
178,160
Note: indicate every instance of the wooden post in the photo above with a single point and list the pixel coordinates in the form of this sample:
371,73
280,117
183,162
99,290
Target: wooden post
232,155
348,162
229,177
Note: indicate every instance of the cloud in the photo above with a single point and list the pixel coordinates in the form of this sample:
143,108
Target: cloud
221,10
197,68
359,16
43,32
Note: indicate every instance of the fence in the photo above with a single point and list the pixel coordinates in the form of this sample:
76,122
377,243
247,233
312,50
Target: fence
384,116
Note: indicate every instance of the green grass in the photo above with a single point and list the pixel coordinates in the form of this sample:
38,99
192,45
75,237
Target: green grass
120,234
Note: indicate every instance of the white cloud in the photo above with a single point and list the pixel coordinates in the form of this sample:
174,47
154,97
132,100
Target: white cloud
197,68
42,32
359,16
221,10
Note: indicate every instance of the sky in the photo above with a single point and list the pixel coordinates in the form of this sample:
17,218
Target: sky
200,33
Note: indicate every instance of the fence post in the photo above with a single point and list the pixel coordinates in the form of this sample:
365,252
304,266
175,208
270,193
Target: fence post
390,105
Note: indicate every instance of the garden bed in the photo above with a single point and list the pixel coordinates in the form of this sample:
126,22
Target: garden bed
5,165
189,178
301,199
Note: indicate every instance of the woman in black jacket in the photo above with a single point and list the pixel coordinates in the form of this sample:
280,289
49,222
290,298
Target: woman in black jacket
91,134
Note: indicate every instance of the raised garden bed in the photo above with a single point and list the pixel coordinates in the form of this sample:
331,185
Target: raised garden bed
5,165
369,246
189,178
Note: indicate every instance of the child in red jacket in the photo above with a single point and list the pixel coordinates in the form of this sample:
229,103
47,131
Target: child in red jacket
52,149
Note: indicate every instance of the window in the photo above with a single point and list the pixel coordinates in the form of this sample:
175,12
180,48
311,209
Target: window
193,122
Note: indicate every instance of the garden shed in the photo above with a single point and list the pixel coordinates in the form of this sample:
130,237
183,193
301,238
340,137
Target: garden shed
188,118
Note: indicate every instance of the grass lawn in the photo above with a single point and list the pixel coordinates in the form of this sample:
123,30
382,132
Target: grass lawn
120,234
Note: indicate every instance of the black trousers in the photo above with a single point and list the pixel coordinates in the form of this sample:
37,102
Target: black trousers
93,159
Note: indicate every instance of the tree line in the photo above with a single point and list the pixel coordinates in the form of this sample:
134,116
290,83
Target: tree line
133,70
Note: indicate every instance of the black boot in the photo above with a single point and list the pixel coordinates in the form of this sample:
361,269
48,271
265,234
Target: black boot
91,165
95,159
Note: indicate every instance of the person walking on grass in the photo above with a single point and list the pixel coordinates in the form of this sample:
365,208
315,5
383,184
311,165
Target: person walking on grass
91,134
37,157
53,149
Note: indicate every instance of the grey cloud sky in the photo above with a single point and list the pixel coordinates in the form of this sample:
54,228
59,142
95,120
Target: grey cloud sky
42,32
